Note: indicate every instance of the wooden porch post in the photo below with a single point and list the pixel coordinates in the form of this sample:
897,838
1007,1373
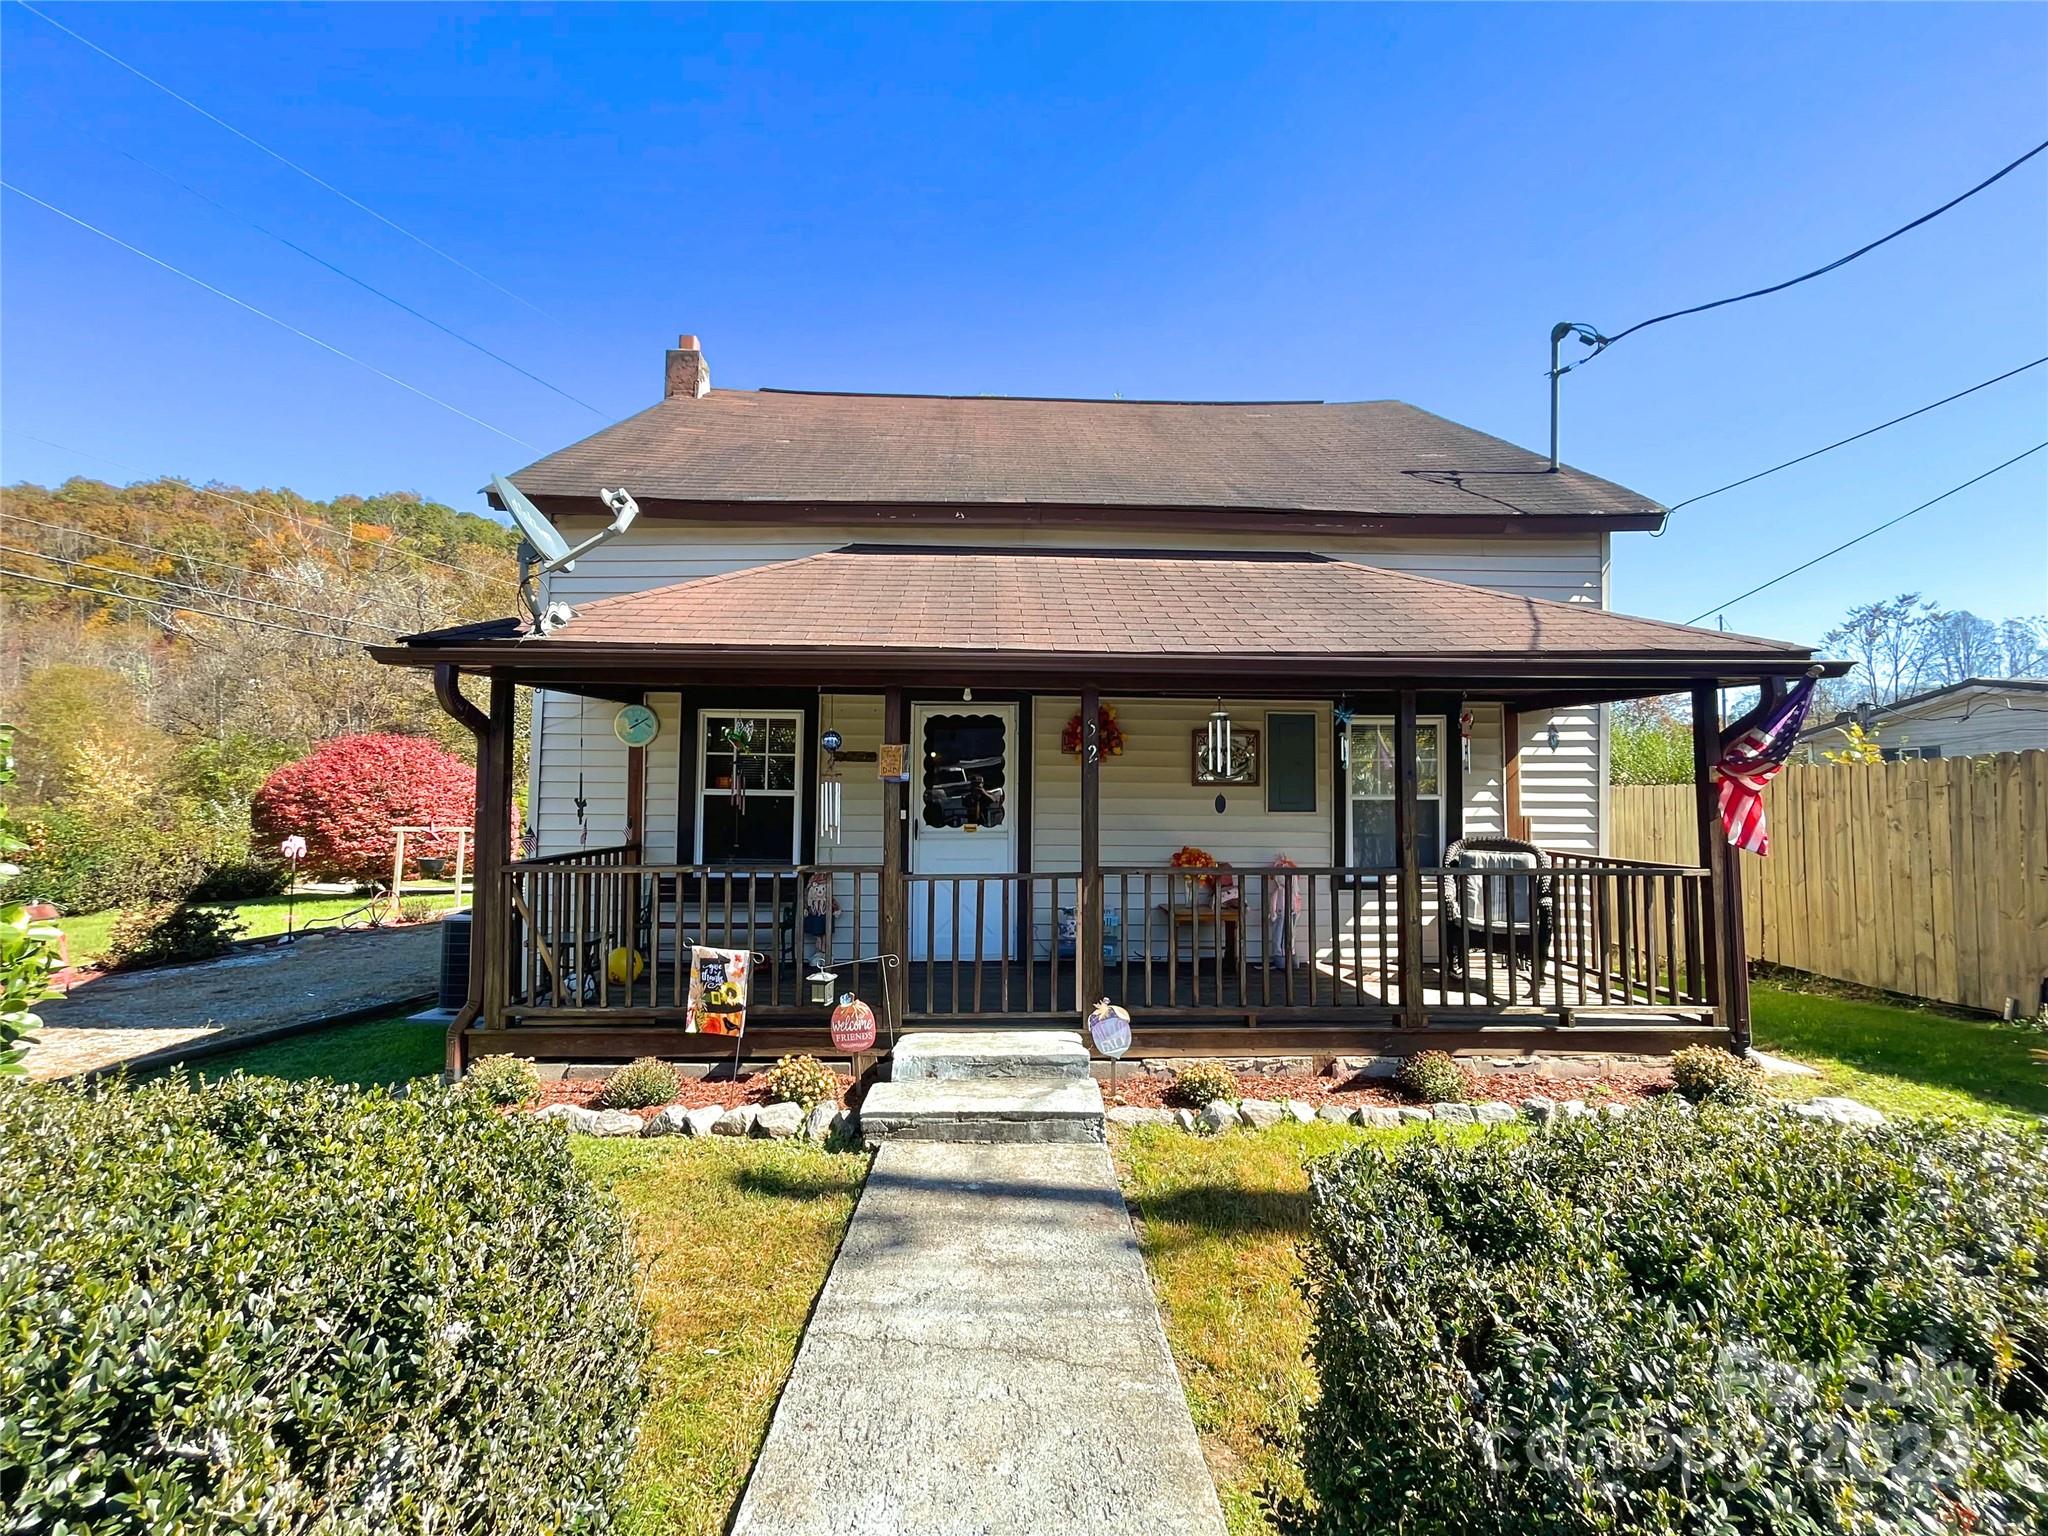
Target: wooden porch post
1409,915
489,930
1088,971
891,919
1717,858
1512,822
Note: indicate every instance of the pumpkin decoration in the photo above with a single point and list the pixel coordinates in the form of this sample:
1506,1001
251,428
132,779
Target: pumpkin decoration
853,1025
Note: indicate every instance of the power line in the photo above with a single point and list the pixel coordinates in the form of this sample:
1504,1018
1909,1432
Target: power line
1868,533
1857,437
367,287
282,159
298,523
1602,342
108,538
183,586
151,602
326,346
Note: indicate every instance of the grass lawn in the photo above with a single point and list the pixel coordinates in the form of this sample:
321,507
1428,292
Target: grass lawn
1218,1219
372,1053
734,1239
1900,1058
87,934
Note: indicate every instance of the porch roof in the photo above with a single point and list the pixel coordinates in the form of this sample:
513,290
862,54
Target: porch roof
889,612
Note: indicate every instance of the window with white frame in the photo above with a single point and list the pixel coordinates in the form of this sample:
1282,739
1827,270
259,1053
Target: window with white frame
761,751
1370,804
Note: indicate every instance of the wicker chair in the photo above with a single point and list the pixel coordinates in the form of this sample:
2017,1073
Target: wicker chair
1519,916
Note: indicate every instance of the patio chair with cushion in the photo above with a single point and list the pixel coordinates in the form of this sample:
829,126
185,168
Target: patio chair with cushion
1516,915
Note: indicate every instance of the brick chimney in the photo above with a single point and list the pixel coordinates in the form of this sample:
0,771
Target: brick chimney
689,375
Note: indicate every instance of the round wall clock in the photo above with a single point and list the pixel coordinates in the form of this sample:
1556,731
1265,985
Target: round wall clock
636,725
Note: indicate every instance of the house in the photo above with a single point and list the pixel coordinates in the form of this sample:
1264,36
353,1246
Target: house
1319,644
1975,717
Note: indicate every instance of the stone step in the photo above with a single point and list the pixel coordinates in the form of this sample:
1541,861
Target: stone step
1016,1109
951,1055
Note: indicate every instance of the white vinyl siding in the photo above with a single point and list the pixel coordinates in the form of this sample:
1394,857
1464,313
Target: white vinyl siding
1562,791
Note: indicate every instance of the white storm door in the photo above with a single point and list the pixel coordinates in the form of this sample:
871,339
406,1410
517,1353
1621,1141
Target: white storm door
963,821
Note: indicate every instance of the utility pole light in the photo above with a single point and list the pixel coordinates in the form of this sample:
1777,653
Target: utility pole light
1559,368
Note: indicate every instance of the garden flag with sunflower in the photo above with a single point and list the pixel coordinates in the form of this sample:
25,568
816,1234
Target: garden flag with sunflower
718,990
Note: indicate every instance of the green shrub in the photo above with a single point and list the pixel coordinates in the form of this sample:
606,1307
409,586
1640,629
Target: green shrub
801,1079
87,860
28,946
1434,1077
502,1080
420,909
166,934
1203,1082
241,880
640,1085
267,1306
1702,1072
1719,1323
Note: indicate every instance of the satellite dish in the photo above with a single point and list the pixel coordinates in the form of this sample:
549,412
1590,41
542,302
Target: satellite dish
544,536
545,551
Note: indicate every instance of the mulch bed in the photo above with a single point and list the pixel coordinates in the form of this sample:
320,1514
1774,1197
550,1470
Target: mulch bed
695,1093
1619,1083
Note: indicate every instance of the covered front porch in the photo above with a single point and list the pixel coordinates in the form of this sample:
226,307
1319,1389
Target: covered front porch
1375,880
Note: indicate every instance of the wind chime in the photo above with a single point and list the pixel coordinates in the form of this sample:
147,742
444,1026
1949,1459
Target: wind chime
1465,739
830,797
1343,714
582,803
740,737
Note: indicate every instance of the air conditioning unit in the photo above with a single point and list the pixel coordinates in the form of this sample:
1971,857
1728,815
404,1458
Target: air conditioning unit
454,989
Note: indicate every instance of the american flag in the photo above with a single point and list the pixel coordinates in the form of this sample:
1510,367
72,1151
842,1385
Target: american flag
1753,752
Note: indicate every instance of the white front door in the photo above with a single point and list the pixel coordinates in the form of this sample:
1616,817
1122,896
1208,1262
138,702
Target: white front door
963,821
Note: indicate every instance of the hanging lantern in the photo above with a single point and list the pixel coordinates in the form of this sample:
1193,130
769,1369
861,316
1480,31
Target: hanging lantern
1219,742
821,984
853,1025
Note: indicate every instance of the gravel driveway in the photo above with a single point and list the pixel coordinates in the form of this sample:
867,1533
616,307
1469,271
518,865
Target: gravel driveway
118,1018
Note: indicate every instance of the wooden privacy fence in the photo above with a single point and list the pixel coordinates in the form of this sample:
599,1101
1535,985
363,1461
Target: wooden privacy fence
1927,878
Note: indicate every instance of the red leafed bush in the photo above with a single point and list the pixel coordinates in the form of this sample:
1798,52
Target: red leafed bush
347,798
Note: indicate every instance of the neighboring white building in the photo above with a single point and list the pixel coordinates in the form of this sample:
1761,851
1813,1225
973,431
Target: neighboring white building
1973,718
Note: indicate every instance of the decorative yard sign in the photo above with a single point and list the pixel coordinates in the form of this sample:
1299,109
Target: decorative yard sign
892,762
718,990
853,1025
1110,1028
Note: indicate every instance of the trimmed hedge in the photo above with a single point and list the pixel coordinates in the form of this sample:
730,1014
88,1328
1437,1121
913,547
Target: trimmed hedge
260,1306
1732,1322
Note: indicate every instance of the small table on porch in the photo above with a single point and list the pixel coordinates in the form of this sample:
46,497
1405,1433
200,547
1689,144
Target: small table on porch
1224,925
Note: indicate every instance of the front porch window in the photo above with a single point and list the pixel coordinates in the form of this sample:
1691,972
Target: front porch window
1370,807
767,828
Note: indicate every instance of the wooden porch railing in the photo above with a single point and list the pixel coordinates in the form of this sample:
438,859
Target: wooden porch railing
571,916
1585,937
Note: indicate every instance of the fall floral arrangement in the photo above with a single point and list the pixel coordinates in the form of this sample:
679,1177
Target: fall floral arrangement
1108,734
1190,859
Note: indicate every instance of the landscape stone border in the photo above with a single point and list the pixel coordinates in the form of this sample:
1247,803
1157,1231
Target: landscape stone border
1220,1115
774,1122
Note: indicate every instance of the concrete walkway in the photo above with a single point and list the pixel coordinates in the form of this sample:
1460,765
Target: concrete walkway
131,1016
986,1359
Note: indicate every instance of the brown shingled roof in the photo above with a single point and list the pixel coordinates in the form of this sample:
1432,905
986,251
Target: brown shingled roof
1376,458
871,598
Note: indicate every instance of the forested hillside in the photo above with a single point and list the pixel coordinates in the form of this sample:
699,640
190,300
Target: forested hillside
164,646
222,621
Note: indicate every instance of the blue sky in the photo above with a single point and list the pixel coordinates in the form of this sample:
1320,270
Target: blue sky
1204,203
